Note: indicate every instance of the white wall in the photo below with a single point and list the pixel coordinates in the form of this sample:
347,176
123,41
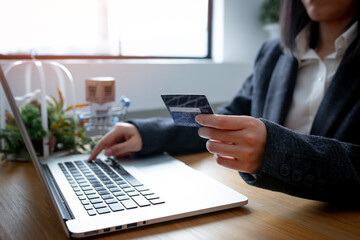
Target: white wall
243,33
144,82
237,37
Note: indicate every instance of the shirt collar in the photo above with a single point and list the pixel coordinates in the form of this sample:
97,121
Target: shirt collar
345,39
303,41
341,43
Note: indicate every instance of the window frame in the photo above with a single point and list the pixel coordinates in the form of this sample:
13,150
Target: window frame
88,57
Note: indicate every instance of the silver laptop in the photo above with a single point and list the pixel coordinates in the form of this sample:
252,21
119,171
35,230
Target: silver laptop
112,195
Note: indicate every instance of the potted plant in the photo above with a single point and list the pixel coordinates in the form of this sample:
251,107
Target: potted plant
270,10
66,132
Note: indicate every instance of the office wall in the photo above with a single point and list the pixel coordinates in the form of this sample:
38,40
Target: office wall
243,32
144,82
237,37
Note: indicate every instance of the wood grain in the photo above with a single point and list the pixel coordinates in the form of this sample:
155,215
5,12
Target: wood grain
25,212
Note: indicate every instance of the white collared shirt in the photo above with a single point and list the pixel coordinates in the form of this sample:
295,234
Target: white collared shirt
314,77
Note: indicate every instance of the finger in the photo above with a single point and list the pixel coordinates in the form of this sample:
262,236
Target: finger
230,136
226,161
123,148
94,153
223,121
97,149
224,149
124,155
246,154
109,152
233,163
102,144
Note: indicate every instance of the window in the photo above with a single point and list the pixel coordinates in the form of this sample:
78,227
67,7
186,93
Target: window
106,28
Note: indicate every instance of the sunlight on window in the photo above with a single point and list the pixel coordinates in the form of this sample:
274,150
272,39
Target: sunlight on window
104,27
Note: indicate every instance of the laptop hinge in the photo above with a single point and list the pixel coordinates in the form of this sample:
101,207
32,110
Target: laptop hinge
63,207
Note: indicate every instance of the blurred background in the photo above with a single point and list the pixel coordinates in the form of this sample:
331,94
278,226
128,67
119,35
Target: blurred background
150,47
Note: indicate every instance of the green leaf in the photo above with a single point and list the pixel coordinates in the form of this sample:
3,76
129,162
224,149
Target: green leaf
61,98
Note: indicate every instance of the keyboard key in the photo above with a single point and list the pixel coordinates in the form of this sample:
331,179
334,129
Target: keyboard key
133,181
89,192
107,196
92,179
97,184
84,202
96,200
103,192
115,177
88,207
91,212
99,205
146,193
127,190
122,198
93,196
132,194
82,197
109,201
157,201
86,188
79,193
100,188
108,182
124,186
142,188
151,197
116,207
114,189
141,201
129,204
120,182
84,184
127,176
103,210
117,194
111,186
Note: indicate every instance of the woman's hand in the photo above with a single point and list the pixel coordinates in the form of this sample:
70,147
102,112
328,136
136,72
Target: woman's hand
121,141
237,142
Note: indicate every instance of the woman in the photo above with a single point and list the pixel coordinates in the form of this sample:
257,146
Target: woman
295,123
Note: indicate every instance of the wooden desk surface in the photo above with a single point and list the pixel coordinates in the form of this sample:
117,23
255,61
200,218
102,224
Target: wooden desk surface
25,212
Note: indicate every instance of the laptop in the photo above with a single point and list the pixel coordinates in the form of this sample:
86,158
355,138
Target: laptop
111,195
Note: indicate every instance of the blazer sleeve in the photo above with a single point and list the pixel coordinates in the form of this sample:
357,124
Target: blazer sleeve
308,166
162,135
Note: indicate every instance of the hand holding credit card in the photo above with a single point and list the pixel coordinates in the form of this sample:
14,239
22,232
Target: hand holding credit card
184,108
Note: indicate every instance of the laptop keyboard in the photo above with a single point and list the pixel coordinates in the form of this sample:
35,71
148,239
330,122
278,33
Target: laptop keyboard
103,189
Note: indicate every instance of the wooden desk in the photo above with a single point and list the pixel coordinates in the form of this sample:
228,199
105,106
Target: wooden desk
25,212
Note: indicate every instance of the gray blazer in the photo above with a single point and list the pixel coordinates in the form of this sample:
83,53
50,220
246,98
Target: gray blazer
323,165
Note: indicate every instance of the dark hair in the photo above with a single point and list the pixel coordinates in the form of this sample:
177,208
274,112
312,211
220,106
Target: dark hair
293,18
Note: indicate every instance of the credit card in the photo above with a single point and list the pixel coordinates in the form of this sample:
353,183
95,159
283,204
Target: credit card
183,108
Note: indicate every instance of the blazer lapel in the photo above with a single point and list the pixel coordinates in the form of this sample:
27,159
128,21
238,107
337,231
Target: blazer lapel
340,96
281,89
